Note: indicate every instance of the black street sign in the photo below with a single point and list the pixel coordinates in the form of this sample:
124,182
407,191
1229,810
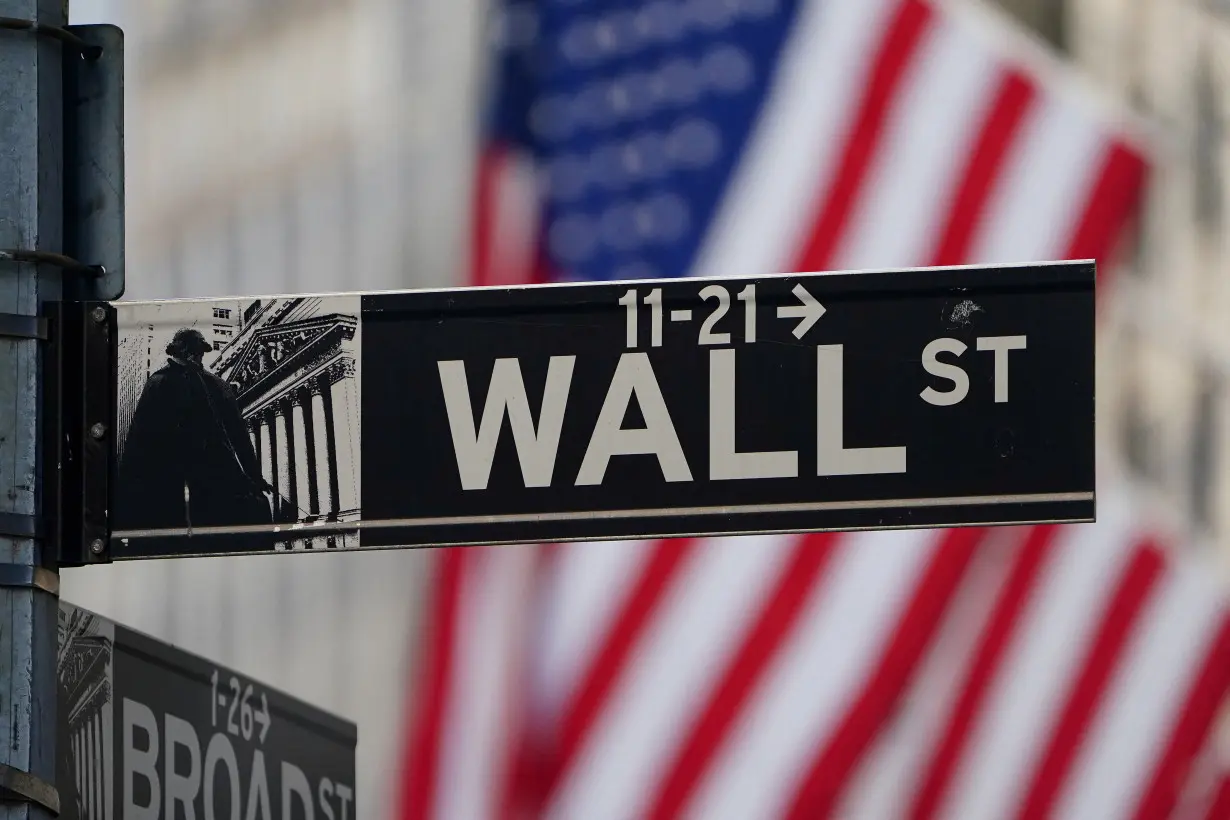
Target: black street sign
803,402
147,731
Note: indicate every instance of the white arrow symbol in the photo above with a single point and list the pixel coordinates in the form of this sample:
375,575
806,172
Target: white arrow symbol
810,311
262,717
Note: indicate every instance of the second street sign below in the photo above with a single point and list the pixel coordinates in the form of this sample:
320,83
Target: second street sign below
929,397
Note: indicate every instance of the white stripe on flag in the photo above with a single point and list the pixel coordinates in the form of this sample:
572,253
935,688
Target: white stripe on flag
514,228
938,117
888,780
1146,696
586,587
696,629
1033,678
768,208
1038,199
475,746
821,667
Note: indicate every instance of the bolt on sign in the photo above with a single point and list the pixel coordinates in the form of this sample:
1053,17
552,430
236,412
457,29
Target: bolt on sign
803,402
148,731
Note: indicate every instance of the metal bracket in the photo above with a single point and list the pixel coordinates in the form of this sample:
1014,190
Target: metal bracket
80,418
94,162
18,525
25,787
20,326
26,576
67,263
89,51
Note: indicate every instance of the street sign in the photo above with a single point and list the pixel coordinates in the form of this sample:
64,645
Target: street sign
803,402
148,731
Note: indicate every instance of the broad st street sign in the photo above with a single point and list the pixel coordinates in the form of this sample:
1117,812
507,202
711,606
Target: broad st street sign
804,402
147,731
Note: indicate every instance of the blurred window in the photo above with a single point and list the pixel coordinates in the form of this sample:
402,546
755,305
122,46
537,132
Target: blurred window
1204,447
180,31
1139,436
1046,18
1207,148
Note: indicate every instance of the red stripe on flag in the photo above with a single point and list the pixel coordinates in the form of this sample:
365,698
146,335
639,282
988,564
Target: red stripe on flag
804,573
520,785
1204,698
500,184
487,174
629,624
1012,100
422,778
897,49
1113,198
1001,626
1219,809
916,628
1135,587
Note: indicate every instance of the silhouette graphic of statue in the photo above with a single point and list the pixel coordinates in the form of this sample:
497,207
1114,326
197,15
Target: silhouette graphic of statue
188,461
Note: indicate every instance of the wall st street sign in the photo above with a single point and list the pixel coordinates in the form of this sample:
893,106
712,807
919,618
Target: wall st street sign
148,731
925,397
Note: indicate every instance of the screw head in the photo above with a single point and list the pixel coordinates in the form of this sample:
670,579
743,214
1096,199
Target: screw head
98,315
97,546
98,430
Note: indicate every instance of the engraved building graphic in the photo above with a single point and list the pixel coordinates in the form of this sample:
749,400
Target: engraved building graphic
294,369
85,696
291,364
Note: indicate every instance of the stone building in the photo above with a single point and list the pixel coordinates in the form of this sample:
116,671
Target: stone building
1166,347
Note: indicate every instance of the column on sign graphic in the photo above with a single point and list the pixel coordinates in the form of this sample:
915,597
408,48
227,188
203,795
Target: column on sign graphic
76,746
298,426
106,763
344,400
281,428
267,451
92,789
91,772
95,774
287,408
254,433
308,422
311,427
326,474
79,760
100,783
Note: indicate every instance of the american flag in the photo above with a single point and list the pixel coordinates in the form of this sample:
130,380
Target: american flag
978,673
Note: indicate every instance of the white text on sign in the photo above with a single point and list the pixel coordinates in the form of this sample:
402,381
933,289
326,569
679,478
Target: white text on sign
634,378
176,766
999,345
807,312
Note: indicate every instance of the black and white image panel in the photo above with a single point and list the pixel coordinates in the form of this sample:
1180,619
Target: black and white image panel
240,415
85,681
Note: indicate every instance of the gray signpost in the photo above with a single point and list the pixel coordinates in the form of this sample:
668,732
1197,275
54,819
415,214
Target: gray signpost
36,51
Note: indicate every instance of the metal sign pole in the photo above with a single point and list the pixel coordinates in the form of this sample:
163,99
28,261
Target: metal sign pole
31,220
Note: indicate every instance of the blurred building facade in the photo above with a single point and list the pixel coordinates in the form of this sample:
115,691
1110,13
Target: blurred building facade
1164,348
290,147
1166,343
323,145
